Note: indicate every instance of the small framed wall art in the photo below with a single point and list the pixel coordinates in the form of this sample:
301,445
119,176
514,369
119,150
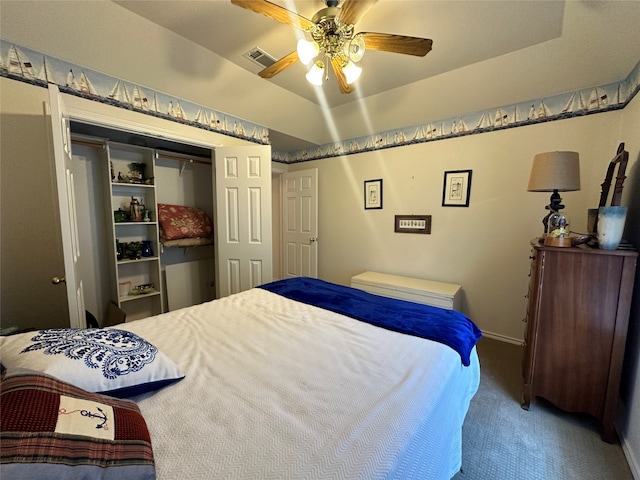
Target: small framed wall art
373,194
457,188
412,224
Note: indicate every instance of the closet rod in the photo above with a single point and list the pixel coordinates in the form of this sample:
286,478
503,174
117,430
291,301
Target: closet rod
87,143
183,159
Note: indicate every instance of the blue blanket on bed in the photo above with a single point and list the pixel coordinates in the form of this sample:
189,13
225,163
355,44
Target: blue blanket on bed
444,326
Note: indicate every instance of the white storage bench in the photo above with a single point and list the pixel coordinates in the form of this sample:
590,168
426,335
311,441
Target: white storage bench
438,294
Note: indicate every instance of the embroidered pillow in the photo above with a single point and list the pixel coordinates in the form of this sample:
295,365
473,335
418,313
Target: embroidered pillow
52,430
102,360
177,222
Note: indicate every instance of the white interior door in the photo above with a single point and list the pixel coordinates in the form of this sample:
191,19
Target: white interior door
242,177
300,223
61,136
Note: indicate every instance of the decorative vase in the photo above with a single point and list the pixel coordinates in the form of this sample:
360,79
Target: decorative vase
147,251
611,226
124,288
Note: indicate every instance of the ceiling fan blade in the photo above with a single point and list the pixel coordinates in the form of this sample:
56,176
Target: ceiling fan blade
276,12
280,65
340,77
388,42
352,10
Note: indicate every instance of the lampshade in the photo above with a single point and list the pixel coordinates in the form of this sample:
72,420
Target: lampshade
307,50
315,74
351,72
558,171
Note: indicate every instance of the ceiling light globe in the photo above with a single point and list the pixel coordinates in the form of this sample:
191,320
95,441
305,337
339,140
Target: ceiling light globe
352,72
315,74
307,50
354,48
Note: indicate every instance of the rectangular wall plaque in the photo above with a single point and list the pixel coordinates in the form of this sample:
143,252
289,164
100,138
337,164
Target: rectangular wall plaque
413,224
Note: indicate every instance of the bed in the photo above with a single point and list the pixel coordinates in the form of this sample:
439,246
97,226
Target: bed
276,387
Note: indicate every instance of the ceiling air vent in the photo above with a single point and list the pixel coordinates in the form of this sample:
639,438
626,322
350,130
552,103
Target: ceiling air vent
260,57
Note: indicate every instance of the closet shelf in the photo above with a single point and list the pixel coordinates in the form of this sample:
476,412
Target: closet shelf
130,298
125,224
186,243
137,260
132,185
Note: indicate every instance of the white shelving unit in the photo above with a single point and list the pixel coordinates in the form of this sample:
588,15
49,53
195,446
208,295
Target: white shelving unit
130,273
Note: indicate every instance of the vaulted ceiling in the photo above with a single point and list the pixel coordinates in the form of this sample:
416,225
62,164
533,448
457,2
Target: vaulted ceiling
463,32
485,54
559,46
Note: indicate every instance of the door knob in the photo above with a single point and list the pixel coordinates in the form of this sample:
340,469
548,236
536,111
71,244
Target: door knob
313,239
58,280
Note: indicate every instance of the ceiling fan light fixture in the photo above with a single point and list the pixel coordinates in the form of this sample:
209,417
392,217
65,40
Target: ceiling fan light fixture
334,40
315,74
351,72
307,50
354,48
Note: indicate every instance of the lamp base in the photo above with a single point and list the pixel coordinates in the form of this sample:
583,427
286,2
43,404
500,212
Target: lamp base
557,241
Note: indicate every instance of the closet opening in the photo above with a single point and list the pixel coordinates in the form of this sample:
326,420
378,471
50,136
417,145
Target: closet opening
132,255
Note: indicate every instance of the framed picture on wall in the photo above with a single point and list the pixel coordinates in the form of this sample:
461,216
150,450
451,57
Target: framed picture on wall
457,188
373,194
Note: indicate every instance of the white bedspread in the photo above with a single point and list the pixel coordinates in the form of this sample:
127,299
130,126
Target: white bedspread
276,389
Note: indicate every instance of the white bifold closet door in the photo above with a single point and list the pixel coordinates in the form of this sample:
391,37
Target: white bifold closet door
242,177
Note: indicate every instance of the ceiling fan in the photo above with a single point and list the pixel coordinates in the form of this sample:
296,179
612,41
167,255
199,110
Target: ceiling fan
334,40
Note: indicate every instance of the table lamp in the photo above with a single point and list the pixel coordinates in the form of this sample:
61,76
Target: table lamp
555,172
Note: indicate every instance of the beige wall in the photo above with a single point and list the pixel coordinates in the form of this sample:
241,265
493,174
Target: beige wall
485,247
629,424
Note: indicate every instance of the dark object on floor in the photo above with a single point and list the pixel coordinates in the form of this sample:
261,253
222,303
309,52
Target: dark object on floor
92,322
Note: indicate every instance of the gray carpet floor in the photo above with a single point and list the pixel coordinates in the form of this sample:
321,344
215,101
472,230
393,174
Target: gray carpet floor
501,441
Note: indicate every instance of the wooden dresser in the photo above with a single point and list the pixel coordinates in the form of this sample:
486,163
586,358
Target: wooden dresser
577,318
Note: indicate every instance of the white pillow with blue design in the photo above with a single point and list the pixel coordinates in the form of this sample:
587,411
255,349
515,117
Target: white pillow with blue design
101,360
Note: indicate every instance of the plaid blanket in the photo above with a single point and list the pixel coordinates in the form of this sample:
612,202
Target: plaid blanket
51,429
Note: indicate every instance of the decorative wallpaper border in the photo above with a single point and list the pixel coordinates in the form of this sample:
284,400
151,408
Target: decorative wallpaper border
613,96
16,63
23,64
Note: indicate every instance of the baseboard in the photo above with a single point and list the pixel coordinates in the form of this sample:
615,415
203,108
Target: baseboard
630,455
503,338
634,466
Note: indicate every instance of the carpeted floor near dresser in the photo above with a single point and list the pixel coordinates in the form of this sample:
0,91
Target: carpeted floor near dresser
501,441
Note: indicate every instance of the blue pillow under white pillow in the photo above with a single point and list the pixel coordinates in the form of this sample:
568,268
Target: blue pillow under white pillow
102,360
